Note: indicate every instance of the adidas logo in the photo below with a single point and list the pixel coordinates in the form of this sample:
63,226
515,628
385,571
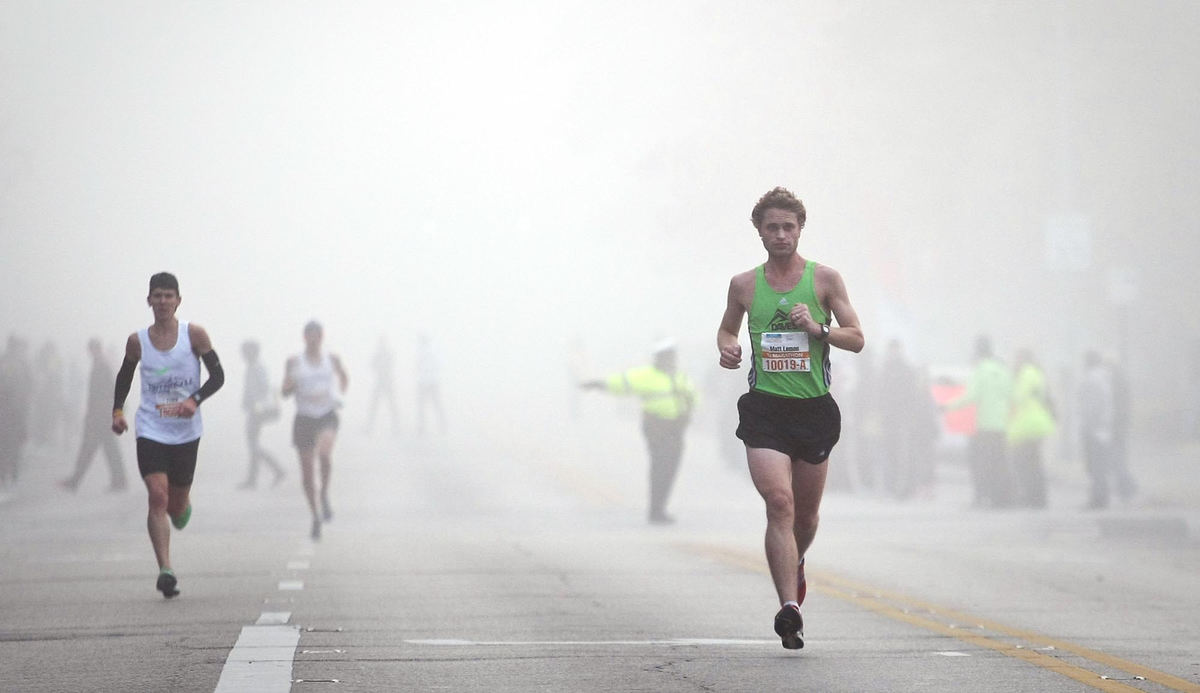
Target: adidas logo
783,301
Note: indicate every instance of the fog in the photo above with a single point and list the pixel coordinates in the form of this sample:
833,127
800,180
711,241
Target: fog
511,177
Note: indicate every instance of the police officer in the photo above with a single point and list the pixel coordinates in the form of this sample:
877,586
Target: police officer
668,398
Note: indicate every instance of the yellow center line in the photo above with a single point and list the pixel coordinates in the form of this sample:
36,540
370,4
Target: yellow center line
877,600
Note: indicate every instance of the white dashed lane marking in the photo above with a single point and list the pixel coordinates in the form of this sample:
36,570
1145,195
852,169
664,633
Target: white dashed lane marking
273,618
261,660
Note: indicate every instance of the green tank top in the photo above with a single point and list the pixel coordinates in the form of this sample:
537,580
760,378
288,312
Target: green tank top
787,362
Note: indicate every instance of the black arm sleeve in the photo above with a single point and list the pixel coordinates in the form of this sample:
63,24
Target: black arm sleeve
124,382
216,376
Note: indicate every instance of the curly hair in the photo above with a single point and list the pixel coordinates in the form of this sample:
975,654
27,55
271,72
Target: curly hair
779,198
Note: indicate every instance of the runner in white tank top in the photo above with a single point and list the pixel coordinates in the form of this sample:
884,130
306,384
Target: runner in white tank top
310,377
168,378
168,420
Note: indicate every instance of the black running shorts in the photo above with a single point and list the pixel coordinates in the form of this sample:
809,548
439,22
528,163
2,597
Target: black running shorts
305,429
803,429
178,462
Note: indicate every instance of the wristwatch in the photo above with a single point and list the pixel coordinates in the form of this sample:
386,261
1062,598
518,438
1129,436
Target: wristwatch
824,332
196,397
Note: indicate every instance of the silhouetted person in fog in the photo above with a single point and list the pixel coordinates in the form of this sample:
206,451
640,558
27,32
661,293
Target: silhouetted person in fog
429,386
168,417
1096,412
668,399
16,394
924,416
260,407
989,388
866,439
1031,422
49,399
1124,485
97,428
897,397
312,377
383,391
788,420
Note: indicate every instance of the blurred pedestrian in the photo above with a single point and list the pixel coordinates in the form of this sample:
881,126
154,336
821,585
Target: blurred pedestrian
989,389
1096,414
49,398
1031,423
897,397
924,420
312,377
97,427
16,395
429,385
864,442
668,399
383,391
788,420
261,407
1124,485
168,416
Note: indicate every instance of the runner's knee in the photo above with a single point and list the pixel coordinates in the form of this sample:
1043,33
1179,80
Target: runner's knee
780,504
157,499
806,523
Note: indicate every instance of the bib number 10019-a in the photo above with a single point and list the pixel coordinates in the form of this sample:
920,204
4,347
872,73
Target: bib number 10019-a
785,352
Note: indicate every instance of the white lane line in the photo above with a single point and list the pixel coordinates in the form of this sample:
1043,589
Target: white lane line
273,618
450,642
297,565
260,661
292,585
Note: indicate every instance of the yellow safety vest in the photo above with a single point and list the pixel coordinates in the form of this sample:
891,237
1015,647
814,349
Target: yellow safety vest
662,396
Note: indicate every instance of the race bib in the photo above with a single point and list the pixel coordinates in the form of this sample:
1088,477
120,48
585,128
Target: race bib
785,352
169,403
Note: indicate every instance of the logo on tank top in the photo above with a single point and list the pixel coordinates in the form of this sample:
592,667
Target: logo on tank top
780,321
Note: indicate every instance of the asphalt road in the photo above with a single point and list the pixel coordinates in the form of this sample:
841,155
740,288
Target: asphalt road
497,563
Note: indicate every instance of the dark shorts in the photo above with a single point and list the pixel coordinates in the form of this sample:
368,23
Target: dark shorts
305,429
803,429
178,462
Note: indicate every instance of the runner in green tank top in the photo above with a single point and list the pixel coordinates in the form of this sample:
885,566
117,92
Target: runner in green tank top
788,420
787,361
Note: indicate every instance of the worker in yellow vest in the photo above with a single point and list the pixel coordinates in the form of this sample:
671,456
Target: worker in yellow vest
668,398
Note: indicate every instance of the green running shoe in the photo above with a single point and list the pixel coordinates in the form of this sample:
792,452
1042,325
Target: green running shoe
166,584
181,521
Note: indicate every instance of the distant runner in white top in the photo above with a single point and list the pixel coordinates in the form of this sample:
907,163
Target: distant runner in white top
310,377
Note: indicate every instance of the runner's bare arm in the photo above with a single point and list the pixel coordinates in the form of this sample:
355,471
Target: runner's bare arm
831,291
741,292
201,343
289,383
343,379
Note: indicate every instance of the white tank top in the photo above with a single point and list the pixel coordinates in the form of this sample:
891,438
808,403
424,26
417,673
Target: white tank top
314,386
168,377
